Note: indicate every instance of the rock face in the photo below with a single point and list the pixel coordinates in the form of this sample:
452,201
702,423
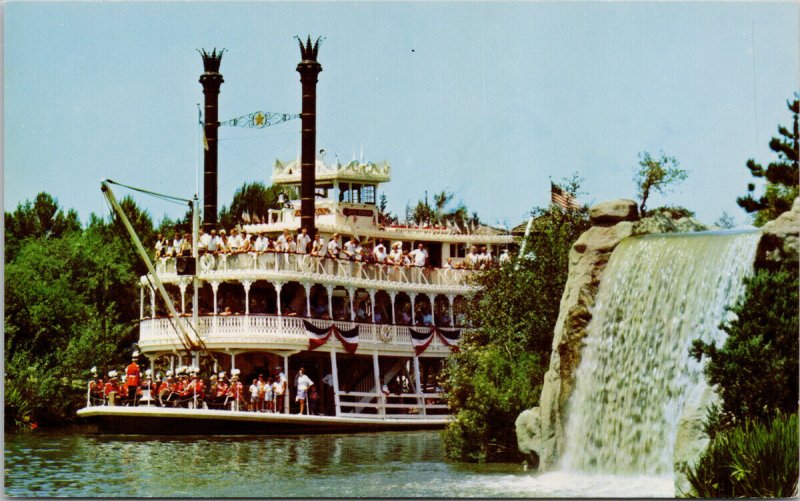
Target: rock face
780,242
540,430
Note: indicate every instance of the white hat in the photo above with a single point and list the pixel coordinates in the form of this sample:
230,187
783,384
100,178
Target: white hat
123,378
93,370
235,372
222,374
135,354
148,372
112,374
180,370
169,373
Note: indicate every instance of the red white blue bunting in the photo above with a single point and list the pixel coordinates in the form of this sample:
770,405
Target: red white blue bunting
421,340
318,336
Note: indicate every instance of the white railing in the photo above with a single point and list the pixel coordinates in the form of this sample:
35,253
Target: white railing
324,267
396,406
252,330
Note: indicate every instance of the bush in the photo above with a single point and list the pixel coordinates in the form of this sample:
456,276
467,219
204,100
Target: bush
500,367
749,460
756,369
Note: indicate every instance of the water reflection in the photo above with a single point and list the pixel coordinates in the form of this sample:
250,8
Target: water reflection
68,464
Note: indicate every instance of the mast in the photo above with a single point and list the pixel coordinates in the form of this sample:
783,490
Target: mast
308,68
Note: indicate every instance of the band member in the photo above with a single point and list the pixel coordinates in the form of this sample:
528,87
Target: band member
132,377
111,388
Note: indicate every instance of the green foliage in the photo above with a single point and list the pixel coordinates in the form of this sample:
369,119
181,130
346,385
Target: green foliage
69,304
656,174
439,213
754,460
781,176
674,212
500,367
725,221
39,219
756,368
255,199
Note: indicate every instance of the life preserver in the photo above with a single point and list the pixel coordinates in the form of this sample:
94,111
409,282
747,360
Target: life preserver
385,333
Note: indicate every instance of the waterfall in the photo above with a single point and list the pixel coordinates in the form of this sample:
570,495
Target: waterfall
657,294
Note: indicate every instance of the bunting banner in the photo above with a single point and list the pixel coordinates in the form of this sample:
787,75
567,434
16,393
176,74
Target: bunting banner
420,340
317,336
349,338
449,337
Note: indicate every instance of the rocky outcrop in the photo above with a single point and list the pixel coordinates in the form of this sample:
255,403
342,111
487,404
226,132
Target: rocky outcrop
540,431
780,242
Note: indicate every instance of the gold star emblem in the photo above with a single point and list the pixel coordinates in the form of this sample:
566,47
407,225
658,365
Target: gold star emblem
259,119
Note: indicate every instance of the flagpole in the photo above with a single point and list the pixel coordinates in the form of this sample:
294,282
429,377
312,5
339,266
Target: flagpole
197,153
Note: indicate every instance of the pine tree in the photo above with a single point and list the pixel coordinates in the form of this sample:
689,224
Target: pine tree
781,175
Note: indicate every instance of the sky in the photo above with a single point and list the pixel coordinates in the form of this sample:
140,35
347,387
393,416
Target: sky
488,100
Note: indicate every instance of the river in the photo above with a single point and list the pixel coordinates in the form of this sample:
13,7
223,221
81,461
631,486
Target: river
66,463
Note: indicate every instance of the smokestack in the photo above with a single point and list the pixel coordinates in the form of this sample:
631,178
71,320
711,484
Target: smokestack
211,81
308,68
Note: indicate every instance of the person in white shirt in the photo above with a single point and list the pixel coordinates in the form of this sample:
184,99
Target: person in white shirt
213,242
350,248
261,243
159,246
254,399
396,256
279,387
334,247
380,252
282,239
222,242
177,243
303,383
472,257
302,241
419,255
203,241
504,257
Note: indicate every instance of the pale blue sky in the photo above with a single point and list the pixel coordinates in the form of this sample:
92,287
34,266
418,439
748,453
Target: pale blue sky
483,99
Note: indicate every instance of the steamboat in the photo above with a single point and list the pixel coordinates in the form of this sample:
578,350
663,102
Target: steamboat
366,310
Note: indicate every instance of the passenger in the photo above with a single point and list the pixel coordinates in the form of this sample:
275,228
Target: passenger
160,246
203,240
449,264
313,401
333,247
350,249
186,245
281,240
269,395
419,256
234,242
317,246
472,257
303,383
262,242
379,252
132,377
177,244
246,245
396,255
255,396
303,241
212,242
279,387
504,257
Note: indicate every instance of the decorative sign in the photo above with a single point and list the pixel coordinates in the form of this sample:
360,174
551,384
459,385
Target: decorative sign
259,119
357,212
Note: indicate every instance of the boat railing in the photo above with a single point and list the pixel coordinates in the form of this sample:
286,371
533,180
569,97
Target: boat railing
274,329
324,266
403,405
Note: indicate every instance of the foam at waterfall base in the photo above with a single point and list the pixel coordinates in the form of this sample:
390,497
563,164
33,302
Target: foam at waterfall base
565,484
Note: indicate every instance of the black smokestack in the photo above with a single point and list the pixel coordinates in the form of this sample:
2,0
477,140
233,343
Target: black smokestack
308,68
211,81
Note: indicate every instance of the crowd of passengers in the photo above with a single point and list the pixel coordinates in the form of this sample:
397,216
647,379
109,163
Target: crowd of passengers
185,389
380,253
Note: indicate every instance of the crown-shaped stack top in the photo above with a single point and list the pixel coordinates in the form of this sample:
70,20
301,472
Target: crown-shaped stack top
211,60
309,52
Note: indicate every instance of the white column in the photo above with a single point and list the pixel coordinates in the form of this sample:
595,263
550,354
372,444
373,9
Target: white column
246,284
381,400
286,393
182,286
214,289
307,287
278,287
152,303
329,288
233,360
418,384
413,308
451,299
392,296
371,293
141,301
432,299
352,293
335,372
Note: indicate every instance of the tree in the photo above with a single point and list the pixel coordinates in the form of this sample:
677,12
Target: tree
656,174
500,366
781,176
756,368
253,199
725,221
42,218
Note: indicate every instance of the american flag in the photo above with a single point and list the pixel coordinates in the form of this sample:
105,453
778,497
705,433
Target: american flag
562,198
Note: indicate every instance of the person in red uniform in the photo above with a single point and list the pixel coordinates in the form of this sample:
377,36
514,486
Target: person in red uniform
236,391
221,393
132,377
111,387
165,390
